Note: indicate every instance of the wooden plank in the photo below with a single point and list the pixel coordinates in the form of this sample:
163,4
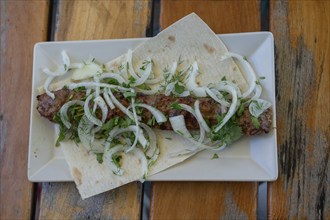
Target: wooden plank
203,200
92,20
22,25
208,200
85,20
301,31
221,16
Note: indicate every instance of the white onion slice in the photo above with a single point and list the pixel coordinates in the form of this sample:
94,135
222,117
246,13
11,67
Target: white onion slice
222,102
103,106
200,118
191,82
201,129
153,150
147,92
116,131
130,65
169,88
221,84
184,94
88,92
108,154
88,113
173,70
97,88
258,106
87,71
46,87
154,81
59,72
64,111
257,92
145,75
115,76
93,85
232,107
107,98
179,126
76,65
137,132
247,69
86,135
65,58
159,116
120,106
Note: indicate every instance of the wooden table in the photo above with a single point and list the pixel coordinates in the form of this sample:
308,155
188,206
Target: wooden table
302,41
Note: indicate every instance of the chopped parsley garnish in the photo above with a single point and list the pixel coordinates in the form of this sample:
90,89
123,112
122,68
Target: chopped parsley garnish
215,156
179,88
240,110
229,133
179,132
145,64
99,157
111,81
176,106
151,121
255,122
116,160
129,94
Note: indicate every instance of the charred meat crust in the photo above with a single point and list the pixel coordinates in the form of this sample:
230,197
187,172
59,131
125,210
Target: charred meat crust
48,108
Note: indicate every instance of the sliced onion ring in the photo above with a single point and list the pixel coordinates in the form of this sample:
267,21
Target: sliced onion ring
147,92
201,129
64,111
159,116
200,118
145,75
115,76
107,98
120,106
222,102
179,126
46,87
191,82
108,155
248,70
93,85
232,107
88,113
103,106
153,149
130,65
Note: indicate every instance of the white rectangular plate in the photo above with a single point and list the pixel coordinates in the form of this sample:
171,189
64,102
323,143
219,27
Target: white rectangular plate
250,159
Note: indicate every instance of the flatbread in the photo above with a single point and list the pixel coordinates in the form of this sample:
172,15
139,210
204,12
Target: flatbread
192,40
93,178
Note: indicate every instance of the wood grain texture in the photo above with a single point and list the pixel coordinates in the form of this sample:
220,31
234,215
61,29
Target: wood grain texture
62,201
87,20
221,16
92,20
301,31
21,28
203,200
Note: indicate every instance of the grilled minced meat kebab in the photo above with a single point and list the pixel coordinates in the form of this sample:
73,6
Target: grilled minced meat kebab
48,108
